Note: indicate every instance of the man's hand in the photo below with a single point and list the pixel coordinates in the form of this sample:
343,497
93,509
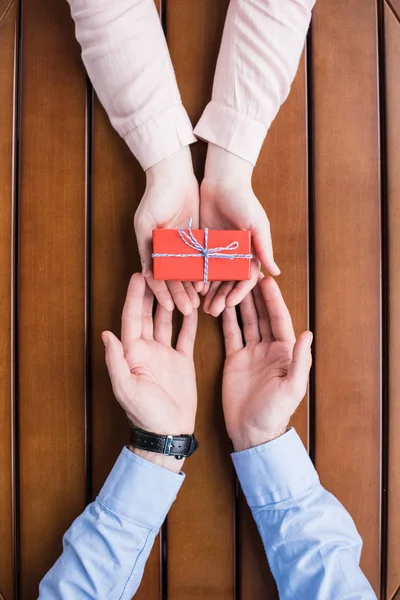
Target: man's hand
265,378
170,199
228,202
153,382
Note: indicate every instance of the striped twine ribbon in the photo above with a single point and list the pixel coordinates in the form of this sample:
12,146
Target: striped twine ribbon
203,251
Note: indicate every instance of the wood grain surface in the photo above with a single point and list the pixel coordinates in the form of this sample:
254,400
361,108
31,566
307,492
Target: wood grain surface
52,287
333,283
394,5
392,30
347,265
8,16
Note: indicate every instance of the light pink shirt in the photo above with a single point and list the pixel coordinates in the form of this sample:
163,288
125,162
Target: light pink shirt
127,60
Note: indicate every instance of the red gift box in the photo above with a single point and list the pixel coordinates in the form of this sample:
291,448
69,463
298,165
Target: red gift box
201,255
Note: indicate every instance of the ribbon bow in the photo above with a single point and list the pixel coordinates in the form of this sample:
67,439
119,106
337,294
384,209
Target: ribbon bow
204,251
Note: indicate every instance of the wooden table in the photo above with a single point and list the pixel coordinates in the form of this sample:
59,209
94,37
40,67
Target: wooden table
329,179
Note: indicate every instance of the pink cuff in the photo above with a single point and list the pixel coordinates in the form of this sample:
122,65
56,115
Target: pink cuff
161,136
232,130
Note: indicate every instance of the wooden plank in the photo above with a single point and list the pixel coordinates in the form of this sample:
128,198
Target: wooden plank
8,16
395,6
347,264
392,43
118,184
281,186
52,285
200,524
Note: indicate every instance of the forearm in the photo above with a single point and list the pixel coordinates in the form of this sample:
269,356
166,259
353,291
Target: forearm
311,542
126,56
259,56
106,548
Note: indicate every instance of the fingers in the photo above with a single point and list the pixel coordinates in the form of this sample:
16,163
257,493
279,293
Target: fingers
279,316
133,309
187,334
180,296
232,333
263,316
205,289
211,291
218,302
300,366
117,366
192,293
198,286
147,318
161,292
251,331
163,326
263,246
174,293
242,288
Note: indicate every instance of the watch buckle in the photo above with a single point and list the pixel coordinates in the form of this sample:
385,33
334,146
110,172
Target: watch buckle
168,445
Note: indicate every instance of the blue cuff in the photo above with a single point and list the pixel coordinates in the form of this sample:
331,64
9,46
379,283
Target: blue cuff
277,471
140,490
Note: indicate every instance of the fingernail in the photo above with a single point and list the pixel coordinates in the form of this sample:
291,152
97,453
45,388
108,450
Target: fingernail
309,338
278,271
104,338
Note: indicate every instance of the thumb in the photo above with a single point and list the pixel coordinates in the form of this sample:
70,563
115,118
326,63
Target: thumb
300,366
117,366
263,246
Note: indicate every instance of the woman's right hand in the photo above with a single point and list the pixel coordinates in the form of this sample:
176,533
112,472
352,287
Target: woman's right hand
170,199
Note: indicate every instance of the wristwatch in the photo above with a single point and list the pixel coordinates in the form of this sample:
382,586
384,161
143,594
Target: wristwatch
180,446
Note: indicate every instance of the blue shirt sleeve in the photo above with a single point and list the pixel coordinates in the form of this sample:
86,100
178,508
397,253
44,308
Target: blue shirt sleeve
311,542
106,548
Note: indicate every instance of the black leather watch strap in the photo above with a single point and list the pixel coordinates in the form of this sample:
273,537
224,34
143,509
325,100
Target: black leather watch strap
180,446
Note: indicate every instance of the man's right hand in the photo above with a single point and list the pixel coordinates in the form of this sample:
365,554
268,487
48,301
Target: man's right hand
265,377
170,199
153,381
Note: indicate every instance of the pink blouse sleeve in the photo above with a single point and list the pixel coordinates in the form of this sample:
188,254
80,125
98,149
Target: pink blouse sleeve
259,56
127,59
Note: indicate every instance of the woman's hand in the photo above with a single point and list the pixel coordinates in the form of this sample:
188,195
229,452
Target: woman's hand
228,202
153,382
170,199
265,377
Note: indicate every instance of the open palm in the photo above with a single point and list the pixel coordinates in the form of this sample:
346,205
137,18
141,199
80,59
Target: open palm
266,378
154,383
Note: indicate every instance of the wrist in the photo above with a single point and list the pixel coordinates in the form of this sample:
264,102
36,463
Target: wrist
248,440
223,167
166,462
176,168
